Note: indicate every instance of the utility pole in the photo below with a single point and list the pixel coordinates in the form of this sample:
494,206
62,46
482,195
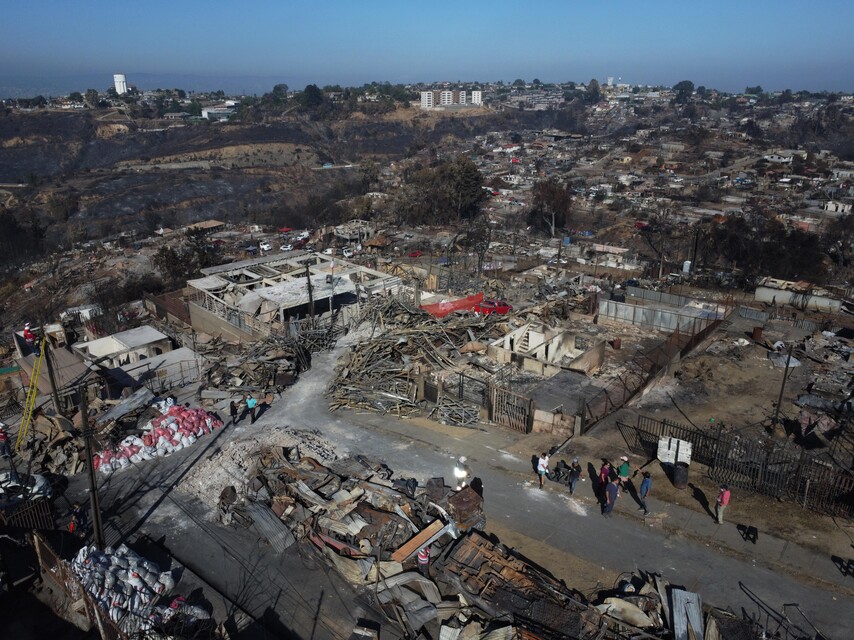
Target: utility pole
48,359
94,500
782,386
332,284
310,292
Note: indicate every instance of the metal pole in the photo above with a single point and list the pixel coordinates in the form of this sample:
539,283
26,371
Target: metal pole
48,359
782,386
332,282
310,293
94,501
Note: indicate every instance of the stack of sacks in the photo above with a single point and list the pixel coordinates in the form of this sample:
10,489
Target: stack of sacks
176,428
124,584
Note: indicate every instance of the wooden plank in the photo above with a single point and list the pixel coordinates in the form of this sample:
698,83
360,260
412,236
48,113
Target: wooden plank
417,541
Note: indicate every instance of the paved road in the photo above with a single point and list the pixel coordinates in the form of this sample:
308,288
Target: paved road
145,500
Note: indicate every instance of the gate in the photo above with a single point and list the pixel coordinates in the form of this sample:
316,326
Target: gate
778,469
511,409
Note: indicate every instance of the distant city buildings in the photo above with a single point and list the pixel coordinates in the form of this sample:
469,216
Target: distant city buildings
120,83
450,97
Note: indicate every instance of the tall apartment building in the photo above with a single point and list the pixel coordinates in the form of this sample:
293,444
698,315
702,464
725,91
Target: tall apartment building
120,83
444,97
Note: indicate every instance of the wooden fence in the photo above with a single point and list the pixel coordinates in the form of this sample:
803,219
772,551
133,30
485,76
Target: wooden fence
774,468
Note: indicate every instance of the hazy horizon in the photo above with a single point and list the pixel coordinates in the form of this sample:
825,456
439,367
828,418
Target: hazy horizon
54,47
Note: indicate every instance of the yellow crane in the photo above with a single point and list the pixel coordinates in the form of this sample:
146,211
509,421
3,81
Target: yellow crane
32,394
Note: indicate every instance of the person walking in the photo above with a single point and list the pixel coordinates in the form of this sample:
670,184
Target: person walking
574,475
645,488
251,403
623,470
612,493
722,503
232,410
79,524
604,478
542,467
4,442
424,561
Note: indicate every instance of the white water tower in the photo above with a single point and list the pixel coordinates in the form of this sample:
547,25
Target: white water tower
120,83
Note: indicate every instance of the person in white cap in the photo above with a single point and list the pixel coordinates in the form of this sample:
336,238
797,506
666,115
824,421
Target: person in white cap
623,470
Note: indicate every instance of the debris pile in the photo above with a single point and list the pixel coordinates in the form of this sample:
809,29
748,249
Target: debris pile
176,428
55,445
645,605
128,587
271,364
381,374
371,527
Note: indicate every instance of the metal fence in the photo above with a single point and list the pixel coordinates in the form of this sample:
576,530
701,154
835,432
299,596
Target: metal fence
762,316
643,368
36,514
774,468
160,379
656,318
657,296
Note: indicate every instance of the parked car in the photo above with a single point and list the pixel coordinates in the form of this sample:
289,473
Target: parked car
265,246
329,252
348,253
286,247
251,249
13,486
416,254
304,235
493,306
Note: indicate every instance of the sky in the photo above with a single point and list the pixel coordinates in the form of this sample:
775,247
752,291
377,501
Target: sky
248,46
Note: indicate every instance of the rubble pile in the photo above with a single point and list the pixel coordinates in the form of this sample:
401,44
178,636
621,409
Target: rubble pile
176,428
55,446
271,364
234,460
128,587
380,375
370,526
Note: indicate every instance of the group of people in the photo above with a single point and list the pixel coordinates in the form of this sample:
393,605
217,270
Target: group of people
612,481
250,405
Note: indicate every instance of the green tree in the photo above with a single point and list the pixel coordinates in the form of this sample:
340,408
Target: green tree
518,82
551,207
75,96
754,91
92,98
311,97
465,183
683,90
594,93
536,82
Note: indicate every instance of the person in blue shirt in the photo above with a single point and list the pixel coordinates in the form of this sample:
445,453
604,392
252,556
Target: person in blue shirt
251,403
645,488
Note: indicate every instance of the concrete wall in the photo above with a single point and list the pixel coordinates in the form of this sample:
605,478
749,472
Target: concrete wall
548,422
204,321
591,360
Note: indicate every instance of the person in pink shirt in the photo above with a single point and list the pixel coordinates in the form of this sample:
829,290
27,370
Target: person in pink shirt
721,504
